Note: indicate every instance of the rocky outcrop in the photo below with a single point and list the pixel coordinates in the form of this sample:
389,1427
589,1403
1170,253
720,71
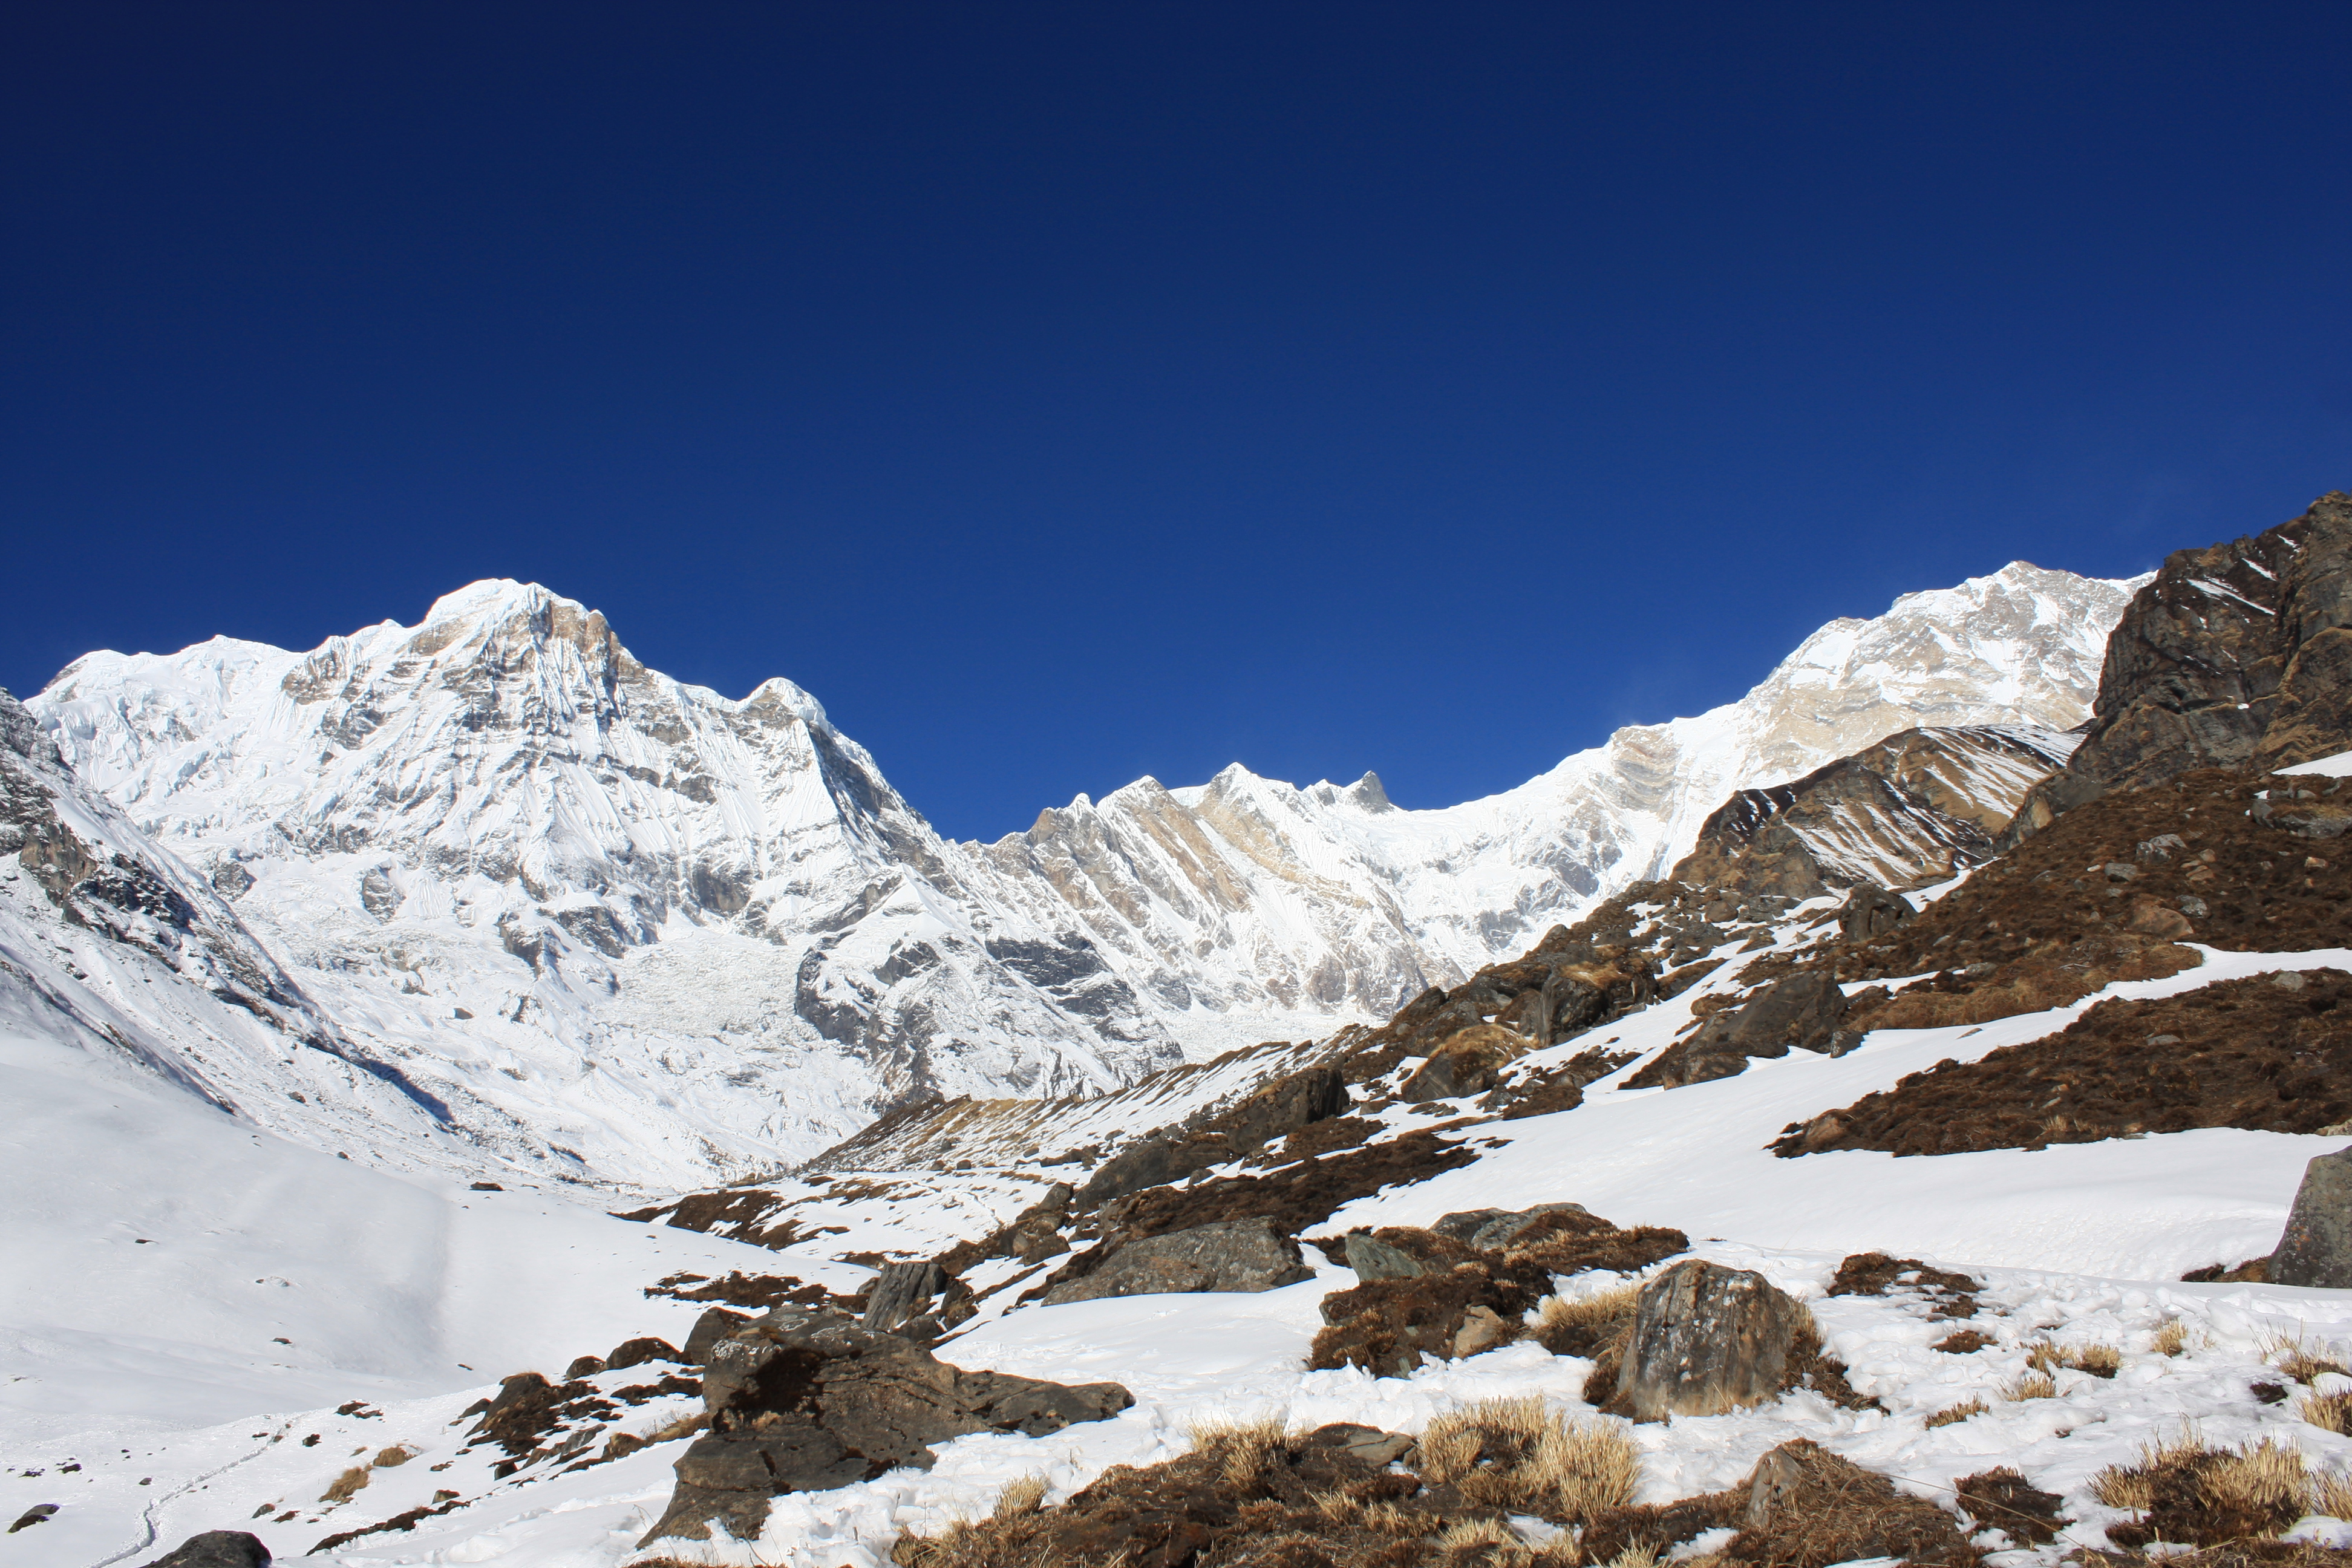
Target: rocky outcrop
803,1401
1465,1062
2317,1246
2239,654
1914,809
1233,1255
1706,1339
1800,1010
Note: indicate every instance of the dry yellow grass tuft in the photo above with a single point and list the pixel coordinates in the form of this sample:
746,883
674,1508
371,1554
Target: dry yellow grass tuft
346,1485
1026,1494
2300,1360
1514,1454
2133,1486
1958,1413
2172,1336
2333,1411
684,1426
2099,1361
387,1458
1242,1449
2332,1495
1558,1312
2031,1385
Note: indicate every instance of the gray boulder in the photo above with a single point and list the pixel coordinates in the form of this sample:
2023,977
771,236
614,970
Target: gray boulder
1499,1229
709,1328
1800,1010
1707,1338
216,1549
1372,1259
1871,911
1230,1255
805,1401
2316,1247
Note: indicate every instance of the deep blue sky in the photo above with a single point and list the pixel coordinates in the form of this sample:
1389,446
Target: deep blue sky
1064,394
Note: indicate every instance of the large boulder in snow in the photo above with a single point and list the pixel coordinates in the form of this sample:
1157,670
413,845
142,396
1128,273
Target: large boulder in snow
1465,1063
1230,1255
1707,1338
1800,1010
804,1400
2316,1248
216,1549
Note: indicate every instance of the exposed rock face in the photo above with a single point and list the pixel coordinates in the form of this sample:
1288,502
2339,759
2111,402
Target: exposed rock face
1915,807
803,1401
1800,1010
504,810
2317,1246
1233,1255
2238,653
1278,1109
1707,1338
216,1549
1871,911
1465,1063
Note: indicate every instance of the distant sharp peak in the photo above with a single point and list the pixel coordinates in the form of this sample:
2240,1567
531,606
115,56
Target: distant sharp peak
460,626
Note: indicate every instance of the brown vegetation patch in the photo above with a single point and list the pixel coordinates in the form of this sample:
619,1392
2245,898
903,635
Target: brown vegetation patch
1258,1496
2256,890
2004,1499
2185,1492
2271,1053
1875,1274
1966,1342
740,1290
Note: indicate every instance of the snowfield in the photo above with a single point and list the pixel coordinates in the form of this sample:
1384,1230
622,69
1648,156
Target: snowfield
391,1282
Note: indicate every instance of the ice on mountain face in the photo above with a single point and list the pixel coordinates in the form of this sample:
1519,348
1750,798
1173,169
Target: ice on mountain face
629,931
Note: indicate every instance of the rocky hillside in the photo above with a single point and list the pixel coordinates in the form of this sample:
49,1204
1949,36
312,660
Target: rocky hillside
2236,654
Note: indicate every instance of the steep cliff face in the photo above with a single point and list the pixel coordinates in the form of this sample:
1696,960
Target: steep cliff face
1915,809
2236,653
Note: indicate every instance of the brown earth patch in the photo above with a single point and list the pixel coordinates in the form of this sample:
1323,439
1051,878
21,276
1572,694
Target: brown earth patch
2254,1053
2247,873
1875,1274
740,1290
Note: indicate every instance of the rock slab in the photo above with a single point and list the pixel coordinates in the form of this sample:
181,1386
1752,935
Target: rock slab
216,1549
1230,1255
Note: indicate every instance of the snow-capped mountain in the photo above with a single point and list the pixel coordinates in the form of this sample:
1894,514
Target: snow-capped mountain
1248,892
630,931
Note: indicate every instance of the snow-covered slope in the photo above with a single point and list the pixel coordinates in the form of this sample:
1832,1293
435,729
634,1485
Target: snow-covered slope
629,931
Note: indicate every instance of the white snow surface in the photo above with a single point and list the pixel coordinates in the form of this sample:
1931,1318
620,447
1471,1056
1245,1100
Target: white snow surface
156,1361
635,933
2335,767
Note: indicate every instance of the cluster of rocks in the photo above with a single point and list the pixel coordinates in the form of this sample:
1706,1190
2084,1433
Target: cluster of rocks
803,1400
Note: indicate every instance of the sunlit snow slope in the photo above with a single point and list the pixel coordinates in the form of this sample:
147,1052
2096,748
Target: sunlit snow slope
630,931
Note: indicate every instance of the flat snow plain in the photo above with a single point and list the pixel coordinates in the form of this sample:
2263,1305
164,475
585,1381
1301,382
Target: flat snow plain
156,1361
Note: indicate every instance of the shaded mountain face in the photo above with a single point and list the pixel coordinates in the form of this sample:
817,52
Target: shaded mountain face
1917,807
629,931
2238,653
